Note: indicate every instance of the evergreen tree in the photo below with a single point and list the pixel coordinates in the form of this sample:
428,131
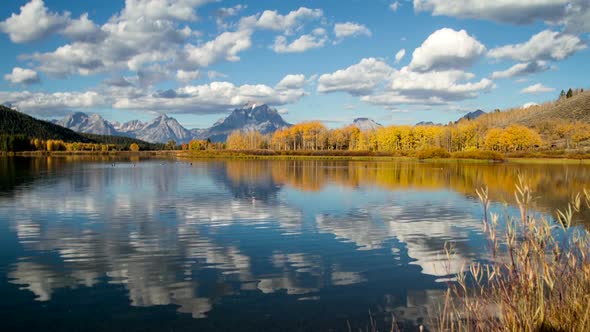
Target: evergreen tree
569,94
562,94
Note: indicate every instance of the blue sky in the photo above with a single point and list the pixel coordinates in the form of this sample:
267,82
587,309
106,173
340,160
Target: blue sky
393,61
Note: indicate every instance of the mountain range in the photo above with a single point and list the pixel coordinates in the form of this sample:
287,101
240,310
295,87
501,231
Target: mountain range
163,128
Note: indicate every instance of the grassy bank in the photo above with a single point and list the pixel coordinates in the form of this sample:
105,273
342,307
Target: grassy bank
433,155
537,279
88,153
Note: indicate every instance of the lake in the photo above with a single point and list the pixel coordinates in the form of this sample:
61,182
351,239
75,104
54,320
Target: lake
101,244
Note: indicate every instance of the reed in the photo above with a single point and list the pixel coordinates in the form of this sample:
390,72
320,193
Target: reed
538,276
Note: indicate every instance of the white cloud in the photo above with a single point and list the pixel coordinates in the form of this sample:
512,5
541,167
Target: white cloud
187,76
215,97
83,29
447,49
522,69
34,22
226,47
22,76
573,14
448,85
316,39
537,88
394,6
145,32
400,55
212,75
546,45
291,82
350,29
183,10
519,12
225,12
51,103
288,24
359,79
529,104
379,84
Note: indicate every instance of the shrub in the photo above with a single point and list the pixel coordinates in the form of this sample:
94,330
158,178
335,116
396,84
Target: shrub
430,153
538,277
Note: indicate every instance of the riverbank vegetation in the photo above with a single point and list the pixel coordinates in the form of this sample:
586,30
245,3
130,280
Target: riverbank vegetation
538,277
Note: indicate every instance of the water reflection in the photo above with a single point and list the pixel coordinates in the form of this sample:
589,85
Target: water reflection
194,235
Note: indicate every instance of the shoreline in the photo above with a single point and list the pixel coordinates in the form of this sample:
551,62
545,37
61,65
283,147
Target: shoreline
191,155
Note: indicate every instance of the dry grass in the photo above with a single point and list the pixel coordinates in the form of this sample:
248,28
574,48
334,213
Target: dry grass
538,278
480,155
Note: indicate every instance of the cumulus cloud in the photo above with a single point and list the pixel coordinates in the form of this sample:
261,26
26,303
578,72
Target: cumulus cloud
226,47
48,104
290,23
359,79
537,88
400,55
451,85
316,39
291,82
522,69
379,84
529,104
546,45
144,33
350,29
34,22
184,10
214,97
447,49
22,76
83,29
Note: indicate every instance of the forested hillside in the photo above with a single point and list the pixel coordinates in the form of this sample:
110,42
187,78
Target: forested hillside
21,132
15,123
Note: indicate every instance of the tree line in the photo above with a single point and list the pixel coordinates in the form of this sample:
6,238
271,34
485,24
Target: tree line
463,136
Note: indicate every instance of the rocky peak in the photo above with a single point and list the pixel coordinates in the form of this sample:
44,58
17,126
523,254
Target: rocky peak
366,124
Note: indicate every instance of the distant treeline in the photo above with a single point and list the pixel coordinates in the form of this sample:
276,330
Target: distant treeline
460,137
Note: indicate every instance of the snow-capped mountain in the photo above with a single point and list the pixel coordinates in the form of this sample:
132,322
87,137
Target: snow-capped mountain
249,117
163,129
90,124
366,124
128,127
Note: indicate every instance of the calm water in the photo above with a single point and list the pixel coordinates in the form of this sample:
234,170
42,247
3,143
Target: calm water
164,245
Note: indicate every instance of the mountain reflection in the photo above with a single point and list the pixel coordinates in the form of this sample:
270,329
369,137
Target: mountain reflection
193,234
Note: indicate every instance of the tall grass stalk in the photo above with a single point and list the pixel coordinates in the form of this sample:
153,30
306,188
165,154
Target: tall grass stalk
537,280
